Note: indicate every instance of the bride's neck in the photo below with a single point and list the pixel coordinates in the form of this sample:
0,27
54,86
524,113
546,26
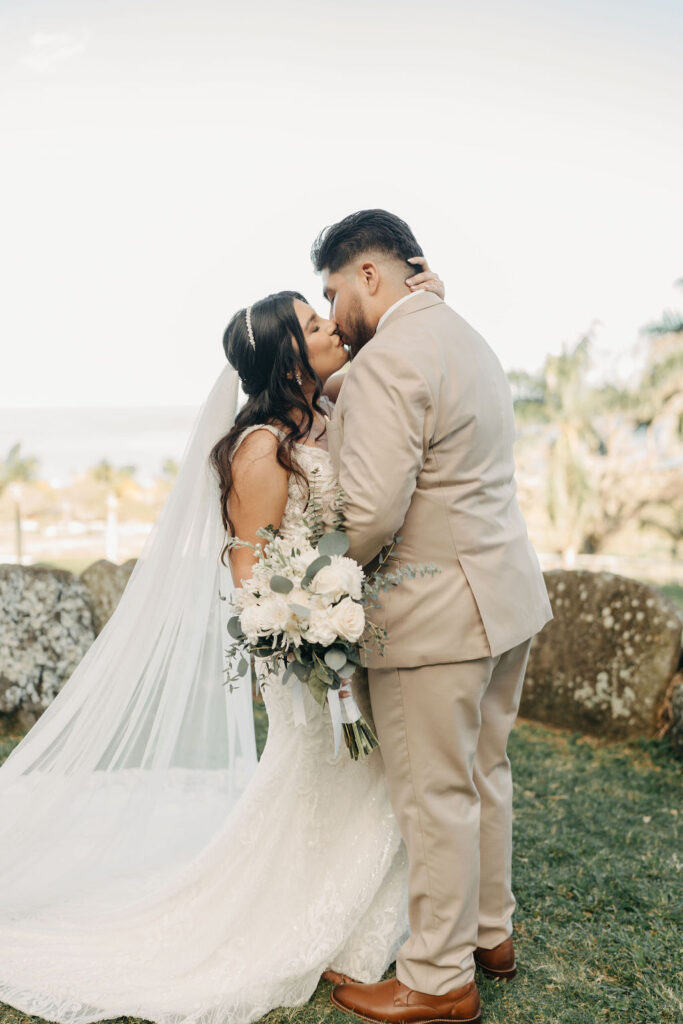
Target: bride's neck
318,420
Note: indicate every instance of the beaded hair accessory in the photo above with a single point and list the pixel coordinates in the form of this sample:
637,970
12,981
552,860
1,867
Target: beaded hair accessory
250,329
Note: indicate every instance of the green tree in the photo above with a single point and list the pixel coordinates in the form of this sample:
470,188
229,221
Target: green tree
16,470
612,455
169,469
671,321
560,400
118,481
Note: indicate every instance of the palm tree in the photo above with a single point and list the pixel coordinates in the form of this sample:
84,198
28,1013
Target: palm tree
560,399
671,525
671,321
169,469
118,483
15,471
613,455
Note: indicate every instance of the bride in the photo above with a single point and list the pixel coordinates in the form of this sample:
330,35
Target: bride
148,866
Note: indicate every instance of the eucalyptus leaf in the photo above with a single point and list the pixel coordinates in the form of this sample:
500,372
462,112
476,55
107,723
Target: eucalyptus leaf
336,543
242,667
335,658
281,585
235,628
315,567
318,688
302,672
323,671
300,610
289,672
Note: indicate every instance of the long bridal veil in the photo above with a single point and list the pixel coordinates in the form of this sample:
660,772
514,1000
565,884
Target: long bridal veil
136,764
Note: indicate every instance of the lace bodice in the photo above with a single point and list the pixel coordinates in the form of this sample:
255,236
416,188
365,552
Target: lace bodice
317,466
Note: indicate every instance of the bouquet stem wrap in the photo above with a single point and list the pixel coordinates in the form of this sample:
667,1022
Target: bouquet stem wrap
347,718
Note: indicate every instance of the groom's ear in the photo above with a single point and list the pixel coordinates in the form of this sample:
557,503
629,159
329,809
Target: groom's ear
369,276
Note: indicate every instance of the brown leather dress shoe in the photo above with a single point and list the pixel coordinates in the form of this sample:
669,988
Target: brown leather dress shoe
498,962
396,1003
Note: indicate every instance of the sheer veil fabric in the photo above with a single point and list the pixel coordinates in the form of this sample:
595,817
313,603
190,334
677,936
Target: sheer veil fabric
135,765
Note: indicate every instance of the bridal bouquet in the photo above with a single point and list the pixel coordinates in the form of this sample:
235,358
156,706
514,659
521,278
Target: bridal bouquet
302,615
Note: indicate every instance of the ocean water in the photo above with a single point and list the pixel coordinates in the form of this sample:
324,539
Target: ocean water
68,441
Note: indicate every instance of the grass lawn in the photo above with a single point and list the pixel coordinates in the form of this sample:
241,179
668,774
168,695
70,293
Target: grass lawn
598,856
674,591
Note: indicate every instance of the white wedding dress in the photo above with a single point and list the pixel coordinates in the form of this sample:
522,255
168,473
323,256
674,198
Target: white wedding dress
308,871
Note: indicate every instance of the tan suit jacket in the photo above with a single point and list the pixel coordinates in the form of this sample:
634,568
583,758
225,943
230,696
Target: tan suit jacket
421,439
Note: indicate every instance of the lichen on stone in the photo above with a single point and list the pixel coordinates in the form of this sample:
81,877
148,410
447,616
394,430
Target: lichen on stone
589,669
46,627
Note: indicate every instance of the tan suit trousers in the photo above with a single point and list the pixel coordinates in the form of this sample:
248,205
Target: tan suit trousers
443,731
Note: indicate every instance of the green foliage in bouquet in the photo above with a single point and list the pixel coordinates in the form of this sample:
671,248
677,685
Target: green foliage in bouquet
301,634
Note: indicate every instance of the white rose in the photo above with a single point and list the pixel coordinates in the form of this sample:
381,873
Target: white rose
348,619
320,629
274,614
342,576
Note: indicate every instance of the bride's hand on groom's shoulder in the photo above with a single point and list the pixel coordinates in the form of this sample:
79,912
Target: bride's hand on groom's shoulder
426,279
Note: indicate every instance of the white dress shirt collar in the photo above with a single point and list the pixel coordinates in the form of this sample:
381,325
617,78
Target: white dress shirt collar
398,303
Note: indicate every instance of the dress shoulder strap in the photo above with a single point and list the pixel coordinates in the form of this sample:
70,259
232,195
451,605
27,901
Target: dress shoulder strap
257,426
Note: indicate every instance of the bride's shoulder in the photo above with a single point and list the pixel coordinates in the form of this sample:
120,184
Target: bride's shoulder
257,440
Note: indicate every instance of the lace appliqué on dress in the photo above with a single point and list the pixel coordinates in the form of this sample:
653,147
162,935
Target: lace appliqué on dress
307,872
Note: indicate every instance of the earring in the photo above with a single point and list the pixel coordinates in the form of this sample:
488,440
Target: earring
298,378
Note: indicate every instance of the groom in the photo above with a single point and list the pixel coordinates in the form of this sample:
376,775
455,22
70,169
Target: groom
422,440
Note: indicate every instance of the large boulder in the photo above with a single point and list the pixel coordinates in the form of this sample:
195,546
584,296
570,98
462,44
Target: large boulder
676,732
46,626
106,582
604,663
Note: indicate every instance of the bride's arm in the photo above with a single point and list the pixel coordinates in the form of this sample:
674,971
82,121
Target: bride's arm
258,496
425,278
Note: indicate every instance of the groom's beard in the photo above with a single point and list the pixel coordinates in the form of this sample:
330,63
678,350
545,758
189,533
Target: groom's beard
357,329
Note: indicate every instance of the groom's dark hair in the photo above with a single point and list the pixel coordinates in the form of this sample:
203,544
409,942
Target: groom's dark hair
365,231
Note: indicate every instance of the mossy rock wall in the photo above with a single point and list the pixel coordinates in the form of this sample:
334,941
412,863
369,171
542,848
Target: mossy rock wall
603,664
106,583
46,627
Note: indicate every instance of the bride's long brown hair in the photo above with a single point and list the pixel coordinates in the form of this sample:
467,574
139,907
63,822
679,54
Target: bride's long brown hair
267,373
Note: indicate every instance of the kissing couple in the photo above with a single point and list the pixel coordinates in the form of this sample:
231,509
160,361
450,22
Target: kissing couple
151,867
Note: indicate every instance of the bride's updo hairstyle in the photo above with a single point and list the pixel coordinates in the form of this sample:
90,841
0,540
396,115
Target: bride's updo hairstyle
268,371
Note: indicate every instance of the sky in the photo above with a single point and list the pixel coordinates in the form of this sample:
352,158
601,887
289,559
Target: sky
163,164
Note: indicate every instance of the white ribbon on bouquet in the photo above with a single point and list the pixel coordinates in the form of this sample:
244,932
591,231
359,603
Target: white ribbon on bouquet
343,710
